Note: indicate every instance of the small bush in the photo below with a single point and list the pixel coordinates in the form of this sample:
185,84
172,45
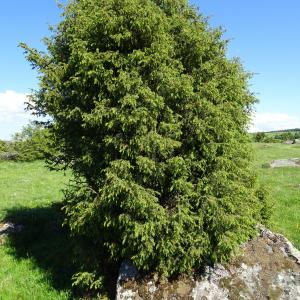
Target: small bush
260,137
266,166
267,204
3,146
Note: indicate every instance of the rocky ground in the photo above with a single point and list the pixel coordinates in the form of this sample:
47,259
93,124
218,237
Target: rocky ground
267,268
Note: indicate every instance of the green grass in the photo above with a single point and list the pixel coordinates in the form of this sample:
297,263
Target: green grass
33,263
283,185
28,185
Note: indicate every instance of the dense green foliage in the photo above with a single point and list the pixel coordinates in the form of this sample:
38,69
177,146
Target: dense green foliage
3,146
151,116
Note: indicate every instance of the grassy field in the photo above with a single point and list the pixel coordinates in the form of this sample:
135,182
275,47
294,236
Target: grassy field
34,264
284,185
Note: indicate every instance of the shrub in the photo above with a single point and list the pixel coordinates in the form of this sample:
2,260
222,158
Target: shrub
267,206
31,143
3,146
152,118
260,137
266,165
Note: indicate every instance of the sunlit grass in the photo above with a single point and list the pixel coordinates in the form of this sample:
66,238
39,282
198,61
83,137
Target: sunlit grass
28,185
27,194
284,185
21,279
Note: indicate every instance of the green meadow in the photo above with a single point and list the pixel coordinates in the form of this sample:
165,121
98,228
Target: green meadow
34,263
284,186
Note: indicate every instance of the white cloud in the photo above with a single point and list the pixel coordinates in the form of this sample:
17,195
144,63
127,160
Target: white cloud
12,113
273,121
12,106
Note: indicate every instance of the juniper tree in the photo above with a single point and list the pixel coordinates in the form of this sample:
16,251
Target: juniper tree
151,116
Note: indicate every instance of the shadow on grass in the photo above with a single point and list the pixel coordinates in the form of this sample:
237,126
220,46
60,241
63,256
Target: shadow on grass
45,241
48,243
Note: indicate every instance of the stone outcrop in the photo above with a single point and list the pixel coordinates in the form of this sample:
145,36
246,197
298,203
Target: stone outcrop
289,162
292,142
268,267
7,228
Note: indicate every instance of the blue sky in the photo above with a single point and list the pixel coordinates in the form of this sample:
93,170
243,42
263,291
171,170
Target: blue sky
264,34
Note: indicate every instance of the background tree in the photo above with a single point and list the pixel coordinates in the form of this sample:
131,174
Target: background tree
152,117
259,137
31,143
3,146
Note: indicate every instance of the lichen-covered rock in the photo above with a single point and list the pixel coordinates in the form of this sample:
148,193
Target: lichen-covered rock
8,228
289,162
267,268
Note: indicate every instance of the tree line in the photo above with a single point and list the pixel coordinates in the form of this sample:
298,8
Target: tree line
276,137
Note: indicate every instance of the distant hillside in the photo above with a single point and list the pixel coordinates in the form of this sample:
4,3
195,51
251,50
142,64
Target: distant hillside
277,136
284,130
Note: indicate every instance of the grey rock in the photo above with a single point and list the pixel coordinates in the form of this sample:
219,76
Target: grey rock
8,228
267,268
127,272
289,162
291,142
